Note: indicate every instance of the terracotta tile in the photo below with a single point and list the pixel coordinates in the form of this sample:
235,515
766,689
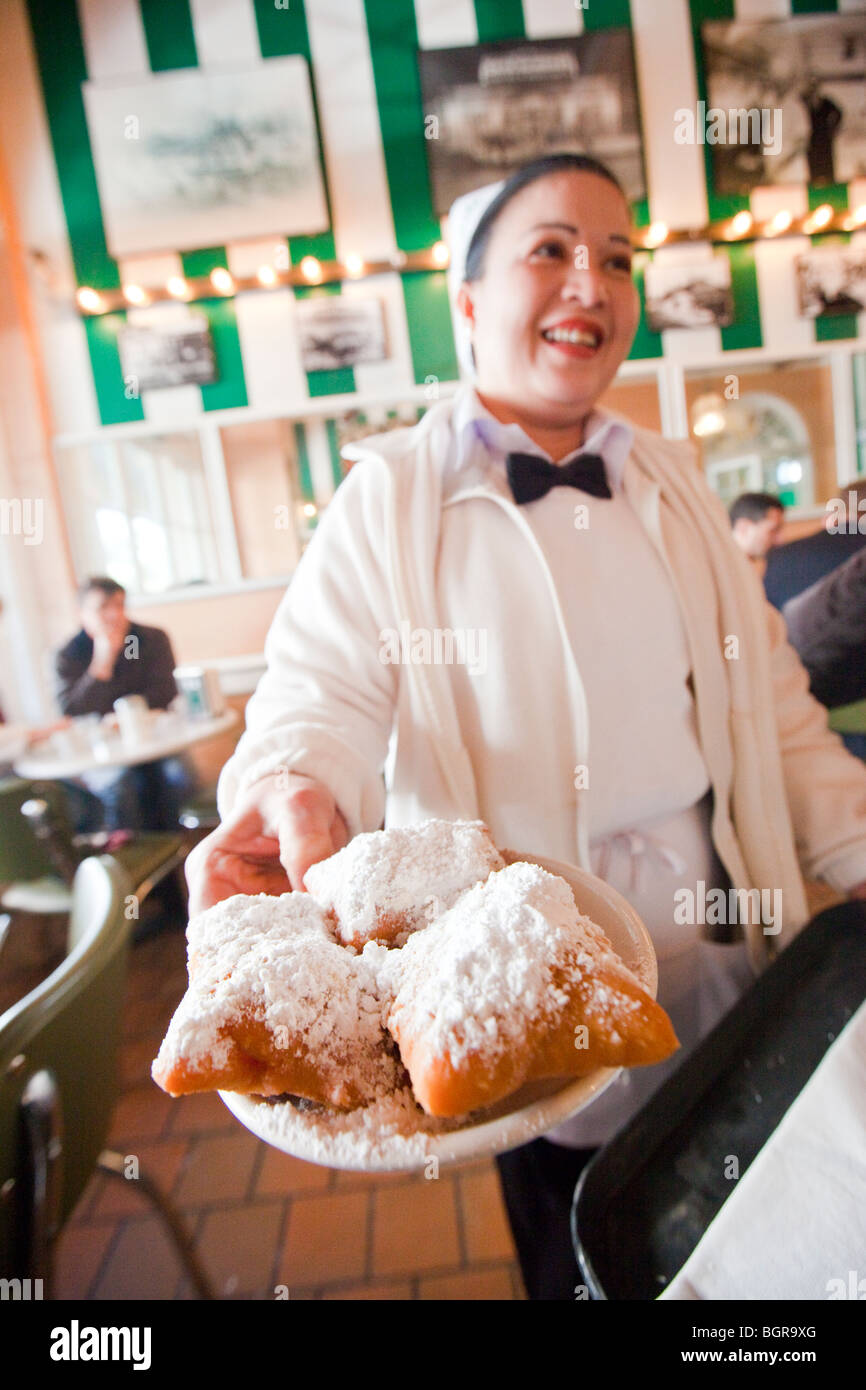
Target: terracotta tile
196,1113
485,1224
143,1264
415,1227
160,1161
392,1290
140,1113
469,1284
78,1256
326,1239
345,1178
280,1173
239,1248
218,1168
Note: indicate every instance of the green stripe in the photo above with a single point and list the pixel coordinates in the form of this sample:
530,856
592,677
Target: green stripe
858,367
303,453
168,33
199,264
283,33
499,19
230,389
832,327
718,206
607,15
62,69
431,337
835,194
60,55
393,46
745,331
393,42
114,408
333,445
812,6
614,14
646,343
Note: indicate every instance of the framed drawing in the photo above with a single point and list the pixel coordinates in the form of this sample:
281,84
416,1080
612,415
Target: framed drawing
338,331
786,101
491,108
688,293
195,158
176,352
832,280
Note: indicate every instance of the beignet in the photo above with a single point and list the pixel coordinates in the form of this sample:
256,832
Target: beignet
514,984
387,884
276,1005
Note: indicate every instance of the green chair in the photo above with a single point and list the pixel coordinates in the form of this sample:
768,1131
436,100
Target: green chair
38,855
31,878
58,1086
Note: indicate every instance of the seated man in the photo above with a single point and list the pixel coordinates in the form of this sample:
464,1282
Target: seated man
111,657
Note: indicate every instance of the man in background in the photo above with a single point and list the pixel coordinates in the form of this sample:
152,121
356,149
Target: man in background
112,657
756,523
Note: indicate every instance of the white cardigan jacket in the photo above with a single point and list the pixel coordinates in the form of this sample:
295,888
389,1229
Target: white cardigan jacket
329,705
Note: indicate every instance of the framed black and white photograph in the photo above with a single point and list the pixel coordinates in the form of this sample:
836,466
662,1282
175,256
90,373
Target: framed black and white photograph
786,101
488,109
688,293
831,280
336,331
176,352
192,158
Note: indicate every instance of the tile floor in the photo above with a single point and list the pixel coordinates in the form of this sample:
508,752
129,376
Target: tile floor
265,1225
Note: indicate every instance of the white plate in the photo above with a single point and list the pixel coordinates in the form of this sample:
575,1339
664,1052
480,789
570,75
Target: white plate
377,1138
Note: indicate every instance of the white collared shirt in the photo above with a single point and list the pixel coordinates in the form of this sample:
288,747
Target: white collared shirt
621,614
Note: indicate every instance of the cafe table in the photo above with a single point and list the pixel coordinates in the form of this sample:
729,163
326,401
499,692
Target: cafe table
166,733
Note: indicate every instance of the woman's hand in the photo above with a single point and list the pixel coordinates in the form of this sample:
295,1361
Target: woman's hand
277,830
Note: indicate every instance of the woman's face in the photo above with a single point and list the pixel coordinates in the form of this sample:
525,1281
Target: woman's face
555,311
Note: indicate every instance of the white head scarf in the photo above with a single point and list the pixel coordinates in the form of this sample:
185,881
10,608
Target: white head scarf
463,217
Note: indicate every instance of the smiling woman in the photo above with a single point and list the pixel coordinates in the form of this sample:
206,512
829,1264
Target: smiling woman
558,233
608,725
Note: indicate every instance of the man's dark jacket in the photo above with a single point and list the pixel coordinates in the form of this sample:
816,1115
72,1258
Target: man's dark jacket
144,666
827,625
800,564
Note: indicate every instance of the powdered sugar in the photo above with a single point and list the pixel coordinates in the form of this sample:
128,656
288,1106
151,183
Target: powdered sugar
501,959
276,959
389,883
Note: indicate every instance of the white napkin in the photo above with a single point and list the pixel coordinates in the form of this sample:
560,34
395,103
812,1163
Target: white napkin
795,1224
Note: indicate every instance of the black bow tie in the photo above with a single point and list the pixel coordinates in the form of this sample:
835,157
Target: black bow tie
531,476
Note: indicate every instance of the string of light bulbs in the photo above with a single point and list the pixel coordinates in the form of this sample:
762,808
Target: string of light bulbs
742,227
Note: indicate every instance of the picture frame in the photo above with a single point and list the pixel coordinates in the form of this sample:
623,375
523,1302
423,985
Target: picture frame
490,108
193,157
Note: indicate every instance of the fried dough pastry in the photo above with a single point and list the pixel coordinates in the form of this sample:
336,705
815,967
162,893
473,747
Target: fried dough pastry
387,884
514,984
276,1005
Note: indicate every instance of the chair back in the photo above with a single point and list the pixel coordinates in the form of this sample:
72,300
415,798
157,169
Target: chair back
58,1074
